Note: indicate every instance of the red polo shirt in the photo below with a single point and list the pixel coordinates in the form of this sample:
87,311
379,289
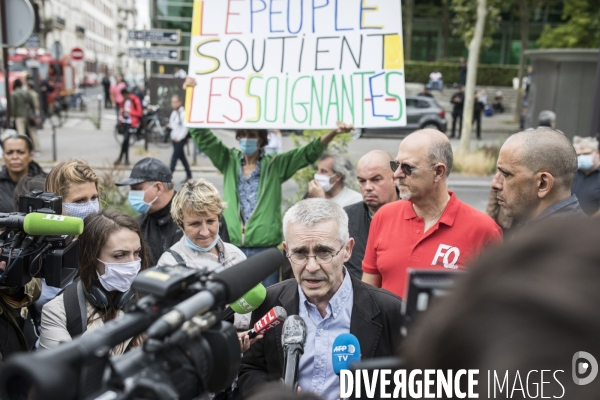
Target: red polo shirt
397,242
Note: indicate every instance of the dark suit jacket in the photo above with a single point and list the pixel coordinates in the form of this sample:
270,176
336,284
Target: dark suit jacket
376,321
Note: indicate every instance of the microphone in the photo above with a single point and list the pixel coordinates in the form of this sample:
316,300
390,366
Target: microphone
226,287
37,224
346,351
293,339
247,303
273,318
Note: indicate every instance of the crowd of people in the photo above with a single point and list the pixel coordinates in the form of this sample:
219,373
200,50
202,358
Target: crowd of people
349,251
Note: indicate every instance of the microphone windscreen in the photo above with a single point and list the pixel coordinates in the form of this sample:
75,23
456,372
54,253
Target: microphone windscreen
242,277
293,331
250,301
51,224
345,351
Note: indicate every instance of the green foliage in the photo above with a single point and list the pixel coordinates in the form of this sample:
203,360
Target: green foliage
113,197
487,75
465,18
581,30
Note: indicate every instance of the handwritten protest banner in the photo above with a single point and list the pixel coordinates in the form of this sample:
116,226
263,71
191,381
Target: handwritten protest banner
296,64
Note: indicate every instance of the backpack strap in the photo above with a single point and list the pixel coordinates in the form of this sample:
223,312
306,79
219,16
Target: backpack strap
176,256
75,308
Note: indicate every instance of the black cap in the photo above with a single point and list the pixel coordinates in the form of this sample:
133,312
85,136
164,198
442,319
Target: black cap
148,169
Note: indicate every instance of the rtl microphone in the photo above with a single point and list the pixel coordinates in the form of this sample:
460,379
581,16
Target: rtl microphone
346,351
247,303
275,317
293,339
226,287
42,224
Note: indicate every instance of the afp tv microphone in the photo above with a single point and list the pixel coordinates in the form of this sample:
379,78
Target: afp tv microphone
197,353
39,242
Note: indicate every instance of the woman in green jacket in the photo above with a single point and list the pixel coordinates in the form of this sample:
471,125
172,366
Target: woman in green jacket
252,182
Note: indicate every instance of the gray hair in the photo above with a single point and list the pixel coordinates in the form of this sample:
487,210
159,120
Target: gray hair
309,212
585,143
548,150
546,117
441,153
341,165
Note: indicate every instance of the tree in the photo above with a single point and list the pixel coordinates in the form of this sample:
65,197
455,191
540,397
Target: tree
581,30
475,22
408,21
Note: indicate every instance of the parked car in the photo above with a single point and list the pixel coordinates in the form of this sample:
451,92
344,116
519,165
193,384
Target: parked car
421,112
90,80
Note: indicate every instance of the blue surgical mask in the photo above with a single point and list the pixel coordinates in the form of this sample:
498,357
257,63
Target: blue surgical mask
248,146
192,246
136,199
81,210
585,162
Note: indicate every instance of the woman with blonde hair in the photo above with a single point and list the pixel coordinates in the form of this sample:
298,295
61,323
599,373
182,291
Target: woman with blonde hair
77,183
112,253
196,209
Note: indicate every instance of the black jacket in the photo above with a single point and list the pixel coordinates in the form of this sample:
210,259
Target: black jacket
376,321
7,186
359,222
160,232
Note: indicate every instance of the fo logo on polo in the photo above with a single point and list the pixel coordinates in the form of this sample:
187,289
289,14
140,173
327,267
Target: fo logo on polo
446,255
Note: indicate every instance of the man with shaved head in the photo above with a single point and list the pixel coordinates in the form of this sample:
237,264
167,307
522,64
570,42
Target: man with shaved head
432,229
377,186
536,169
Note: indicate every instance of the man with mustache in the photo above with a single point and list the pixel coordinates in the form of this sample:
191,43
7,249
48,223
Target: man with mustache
432,229
535,172
329,300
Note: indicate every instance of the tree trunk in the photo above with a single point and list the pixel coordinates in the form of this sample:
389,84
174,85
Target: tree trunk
446,27
474,48
524,13
408,27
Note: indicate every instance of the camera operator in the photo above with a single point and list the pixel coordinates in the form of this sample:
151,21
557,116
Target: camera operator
77,184
112,253
17,152
12,300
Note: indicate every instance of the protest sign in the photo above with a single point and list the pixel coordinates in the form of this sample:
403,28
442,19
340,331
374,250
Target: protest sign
296,64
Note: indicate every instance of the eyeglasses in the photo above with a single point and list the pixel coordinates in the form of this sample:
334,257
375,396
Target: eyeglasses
322,257
406,168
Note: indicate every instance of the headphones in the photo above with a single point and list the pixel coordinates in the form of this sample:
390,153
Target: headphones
99,297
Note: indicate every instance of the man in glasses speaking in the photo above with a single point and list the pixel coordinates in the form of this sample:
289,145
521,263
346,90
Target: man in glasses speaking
432,229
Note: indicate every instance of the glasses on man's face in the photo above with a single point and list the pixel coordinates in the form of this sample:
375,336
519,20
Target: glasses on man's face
321,257
407,169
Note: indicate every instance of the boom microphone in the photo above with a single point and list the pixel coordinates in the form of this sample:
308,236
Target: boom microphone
293,339
247,303
37,224
226,287
273,318
346,351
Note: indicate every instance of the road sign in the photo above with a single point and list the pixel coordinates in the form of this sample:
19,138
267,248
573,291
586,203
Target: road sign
155,53
32,42
162,36
77,54
19,22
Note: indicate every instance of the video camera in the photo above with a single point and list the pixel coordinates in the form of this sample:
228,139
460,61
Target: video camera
188,352
39,242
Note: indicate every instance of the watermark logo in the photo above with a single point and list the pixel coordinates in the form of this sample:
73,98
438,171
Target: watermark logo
584,364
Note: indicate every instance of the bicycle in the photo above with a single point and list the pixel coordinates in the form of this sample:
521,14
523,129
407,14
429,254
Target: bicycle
154,127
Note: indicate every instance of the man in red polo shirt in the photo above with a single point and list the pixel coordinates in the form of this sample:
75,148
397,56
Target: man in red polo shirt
432,229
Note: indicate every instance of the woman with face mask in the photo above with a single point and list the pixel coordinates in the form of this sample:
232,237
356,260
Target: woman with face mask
586,185
111,254
252,182
77,184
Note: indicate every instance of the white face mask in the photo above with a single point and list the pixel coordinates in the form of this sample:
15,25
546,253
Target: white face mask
119,276
323,180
